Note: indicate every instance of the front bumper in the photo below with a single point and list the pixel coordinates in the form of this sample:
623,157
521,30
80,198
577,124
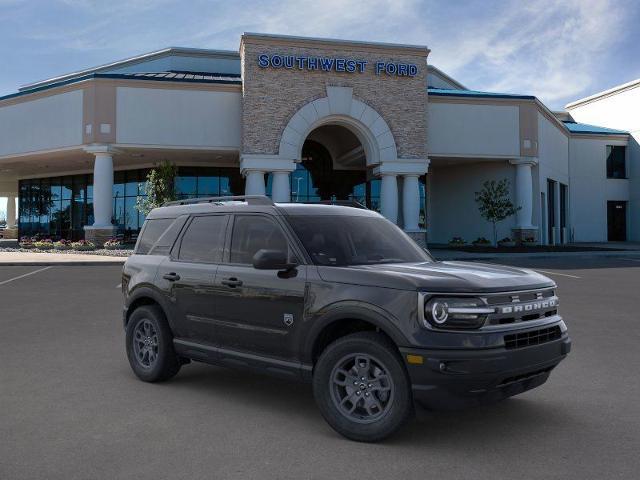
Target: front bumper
450,379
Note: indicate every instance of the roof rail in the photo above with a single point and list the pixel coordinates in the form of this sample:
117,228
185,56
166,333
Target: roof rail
342,203
250,199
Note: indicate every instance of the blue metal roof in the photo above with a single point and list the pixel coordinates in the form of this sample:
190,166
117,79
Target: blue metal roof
186,77
585,128
445,92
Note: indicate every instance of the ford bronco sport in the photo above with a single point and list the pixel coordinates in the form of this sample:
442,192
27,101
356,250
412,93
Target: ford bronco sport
339,297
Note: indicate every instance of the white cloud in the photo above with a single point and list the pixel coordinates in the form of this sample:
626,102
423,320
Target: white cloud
546,48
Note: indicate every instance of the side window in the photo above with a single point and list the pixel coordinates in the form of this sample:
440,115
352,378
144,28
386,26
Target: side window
252,233
152,231
168,238
204,239
616,167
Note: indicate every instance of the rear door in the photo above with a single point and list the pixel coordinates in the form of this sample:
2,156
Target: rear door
188,275
258,311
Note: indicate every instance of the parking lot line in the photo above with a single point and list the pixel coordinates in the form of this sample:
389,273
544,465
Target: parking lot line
631,259
556,273
25,275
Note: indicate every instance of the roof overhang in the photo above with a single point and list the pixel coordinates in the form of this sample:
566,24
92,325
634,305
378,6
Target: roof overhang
145,57
605,93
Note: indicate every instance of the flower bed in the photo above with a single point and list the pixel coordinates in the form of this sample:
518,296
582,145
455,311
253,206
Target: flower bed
83,246
62,245
481,241
457,242
113,244
507,242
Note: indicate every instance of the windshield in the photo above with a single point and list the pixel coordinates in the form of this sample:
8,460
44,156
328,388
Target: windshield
342,240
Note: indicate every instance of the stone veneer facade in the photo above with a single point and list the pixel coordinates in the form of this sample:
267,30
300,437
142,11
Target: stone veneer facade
272,96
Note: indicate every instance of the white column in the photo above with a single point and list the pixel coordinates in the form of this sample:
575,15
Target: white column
280,189
103,189
411,202
524,193
255,182
11,212
389,197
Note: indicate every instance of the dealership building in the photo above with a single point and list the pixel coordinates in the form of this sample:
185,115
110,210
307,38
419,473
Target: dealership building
308,120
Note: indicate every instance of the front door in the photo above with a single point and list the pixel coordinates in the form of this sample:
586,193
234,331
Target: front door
617,221
257,311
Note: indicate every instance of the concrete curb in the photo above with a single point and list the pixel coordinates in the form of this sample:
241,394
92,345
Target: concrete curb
88,263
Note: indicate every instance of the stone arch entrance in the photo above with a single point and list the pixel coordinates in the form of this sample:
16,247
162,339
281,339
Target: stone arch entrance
340,110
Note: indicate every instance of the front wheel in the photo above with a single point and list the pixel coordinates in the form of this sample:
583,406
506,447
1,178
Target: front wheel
362,388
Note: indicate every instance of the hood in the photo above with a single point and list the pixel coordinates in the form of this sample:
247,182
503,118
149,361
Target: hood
454,277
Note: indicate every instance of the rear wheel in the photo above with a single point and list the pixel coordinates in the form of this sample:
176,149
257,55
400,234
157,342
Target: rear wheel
150,345
362,388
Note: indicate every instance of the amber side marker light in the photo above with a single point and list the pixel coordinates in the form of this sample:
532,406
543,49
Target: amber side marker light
415,359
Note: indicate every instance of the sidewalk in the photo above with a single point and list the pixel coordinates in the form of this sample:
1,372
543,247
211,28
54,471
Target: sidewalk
443,254
32,258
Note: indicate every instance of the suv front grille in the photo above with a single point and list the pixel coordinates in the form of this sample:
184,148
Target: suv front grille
534,337
522,306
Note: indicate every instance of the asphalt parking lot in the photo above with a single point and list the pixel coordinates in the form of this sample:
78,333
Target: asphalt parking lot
70,408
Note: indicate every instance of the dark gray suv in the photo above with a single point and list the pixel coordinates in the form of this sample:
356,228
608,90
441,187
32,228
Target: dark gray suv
339,297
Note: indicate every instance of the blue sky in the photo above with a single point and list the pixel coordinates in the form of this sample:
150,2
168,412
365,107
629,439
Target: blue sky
556,50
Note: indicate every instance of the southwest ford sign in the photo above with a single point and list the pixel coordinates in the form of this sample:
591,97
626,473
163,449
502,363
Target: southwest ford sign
333,64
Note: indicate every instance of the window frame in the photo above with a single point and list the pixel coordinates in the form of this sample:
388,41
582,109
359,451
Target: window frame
295,252
174,255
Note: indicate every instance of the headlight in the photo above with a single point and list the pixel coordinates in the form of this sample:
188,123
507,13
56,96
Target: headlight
455,312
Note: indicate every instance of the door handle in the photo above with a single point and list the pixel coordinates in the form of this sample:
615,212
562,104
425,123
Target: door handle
232,282
172,277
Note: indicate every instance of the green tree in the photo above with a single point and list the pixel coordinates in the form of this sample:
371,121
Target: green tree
494,203
160,187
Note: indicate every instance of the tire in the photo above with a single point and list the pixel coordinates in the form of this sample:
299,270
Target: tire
149,344
384,402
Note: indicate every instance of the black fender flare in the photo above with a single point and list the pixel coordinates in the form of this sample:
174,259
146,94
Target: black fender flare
148,291
366,312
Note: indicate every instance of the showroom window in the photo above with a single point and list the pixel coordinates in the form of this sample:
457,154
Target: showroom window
60,207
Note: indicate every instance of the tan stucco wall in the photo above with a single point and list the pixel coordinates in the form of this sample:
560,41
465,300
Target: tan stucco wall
271,96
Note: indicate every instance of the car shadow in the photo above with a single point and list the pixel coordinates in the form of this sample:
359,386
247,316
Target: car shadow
510,419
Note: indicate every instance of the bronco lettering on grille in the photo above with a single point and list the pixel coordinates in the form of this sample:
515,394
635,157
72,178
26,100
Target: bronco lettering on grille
529,307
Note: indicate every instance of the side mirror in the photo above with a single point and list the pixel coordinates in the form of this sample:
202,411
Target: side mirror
271,260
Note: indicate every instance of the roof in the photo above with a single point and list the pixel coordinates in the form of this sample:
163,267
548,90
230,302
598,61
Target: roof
171,76
174,210
475,93
175,75
604,93
584,128
134,60
436,71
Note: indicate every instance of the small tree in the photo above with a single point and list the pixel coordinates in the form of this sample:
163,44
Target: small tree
160,187
494,203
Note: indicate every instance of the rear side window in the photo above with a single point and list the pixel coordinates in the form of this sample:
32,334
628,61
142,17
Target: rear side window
152,231
252,233
203,242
